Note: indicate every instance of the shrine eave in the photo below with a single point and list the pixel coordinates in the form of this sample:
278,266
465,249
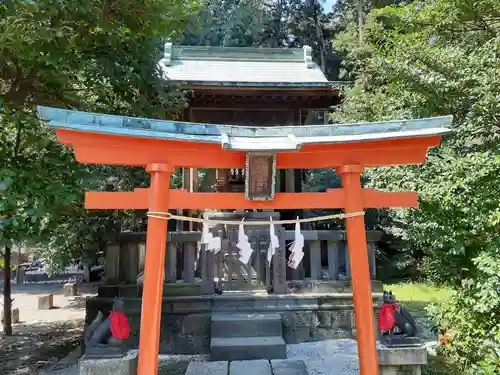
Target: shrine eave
302,85
245,138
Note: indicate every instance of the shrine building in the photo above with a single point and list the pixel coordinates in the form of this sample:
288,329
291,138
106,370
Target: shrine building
250,86
257,116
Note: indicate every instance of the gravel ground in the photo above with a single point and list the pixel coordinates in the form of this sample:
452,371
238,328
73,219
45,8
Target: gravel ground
322,357
42,337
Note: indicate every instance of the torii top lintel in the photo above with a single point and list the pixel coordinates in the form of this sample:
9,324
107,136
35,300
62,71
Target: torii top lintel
108,139
119,140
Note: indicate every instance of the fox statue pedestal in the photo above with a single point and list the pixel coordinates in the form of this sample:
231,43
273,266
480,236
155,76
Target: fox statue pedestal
401,361
123,365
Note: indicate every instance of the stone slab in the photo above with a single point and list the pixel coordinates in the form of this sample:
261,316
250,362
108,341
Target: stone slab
247,348
245,325
207,368
402,356
15,316
399,341
288,367
126,365
70,290
46,302
177,364
400,370
260,367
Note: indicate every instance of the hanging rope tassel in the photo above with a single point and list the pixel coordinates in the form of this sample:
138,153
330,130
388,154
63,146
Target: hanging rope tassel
243,244
274,242
297,246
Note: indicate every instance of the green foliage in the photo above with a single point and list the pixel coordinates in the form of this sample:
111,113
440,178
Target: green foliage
429,59
472,320
89,55
227,23
277,23
92,54
436,365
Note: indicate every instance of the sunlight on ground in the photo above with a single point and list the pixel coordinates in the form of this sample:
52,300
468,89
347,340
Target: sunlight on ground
416,296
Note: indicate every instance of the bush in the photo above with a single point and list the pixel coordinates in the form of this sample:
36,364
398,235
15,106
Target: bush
470,320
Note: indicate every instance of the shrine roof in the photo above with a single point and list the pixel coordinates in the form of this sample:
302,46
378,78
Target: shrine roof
244,138
242,67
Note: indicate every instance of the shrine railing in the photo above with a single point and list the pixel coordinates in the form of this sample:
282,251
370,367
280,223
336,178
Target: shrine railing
326,258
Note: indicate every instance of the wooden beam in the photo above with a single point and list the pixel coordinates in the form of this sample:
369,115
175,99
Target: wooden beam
98,148
383,199
189,236
182,199
130,200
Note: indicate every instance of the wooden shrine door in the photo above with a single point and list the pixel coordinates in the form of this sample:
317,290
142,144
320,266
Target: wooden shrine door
229,273
232,275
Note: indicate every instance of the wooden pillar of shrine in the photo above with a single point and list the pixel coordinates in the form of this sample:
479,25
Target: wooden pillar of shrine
156,240
360,270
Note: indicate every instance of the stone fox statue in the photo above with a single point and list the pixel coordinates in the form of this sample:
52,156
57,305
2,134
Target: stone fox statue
393,316
107,336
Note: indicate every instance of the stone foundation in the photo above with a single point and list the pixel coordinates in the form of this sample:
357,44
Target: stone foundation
401,361
185,326
126,365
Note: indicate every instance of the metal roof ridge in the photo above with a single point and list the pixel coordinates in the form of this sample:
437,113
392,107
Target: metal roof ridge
264,84
235,48
234,58
182,52
276,138
58,117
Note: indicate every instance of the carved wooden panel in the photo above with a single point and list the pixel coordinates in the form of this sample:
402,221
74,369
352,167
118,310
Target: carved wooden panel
260,176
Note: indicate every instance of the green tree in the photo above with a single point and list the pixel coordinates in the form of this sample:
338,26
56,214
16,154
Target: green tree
277,24
91,55
429,59
227,23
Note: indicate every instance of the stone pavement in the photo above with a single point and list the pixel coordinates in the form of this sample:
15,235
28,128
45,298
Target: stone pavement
330,357
317,358
259,366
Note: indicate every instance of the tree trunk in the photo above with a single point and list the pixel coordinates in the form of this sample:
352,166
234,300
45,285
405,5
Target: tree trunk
319,35
7,301
361,25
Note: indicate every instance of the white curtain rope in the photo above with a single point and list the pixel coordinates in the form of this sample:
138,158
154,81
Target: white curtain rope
169,216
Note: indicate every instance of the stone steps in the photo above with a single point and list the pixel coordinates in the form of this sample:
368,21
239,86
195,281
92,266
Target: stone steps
246,336
246,325
207,368
247,348
257,367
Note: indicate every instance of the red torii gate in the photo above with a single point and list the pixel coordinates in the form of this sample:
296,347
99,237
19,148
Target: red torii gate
94,143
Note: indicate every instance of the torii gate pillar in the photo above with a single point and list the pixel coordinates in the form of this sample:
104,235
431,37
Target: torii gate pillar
156,241
360,269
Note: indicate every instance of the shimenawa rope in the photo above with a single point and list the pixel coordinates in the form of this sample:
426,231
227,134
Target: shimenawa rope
169,216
